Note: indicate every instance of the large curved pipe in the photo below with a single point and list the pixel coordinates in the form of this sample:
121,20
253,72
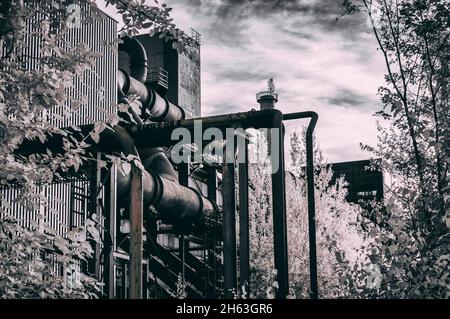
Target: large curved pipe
175,203
154,106
138,58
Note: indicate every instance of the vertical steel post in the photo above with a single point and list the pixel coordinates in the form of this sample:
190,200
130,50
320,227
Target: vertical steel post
125,271
211,184
229,229
183,178
110,231
244,246
314,294
95,209
136,229
183,174
279,213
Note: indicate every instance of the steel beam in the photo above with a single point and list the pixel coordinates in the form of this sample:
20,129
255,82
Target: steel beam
110,231
279,213
136,229
211,184
229,230
96,209
244,246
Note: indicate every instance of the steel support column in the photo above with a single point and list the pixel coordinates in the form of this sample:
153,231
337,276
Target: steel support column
110,231
183,174
279,211
314,293
183,179
229,229
136,228
96,209
244,246
211,184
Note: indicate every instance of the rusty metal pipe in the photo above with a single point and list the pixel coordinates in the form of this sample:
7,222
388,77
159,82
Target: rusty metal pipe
154,106
178,204
138,58
159,134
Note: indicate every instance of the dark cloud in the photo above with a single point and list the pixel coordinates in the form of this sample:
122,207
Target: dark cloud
221,107
297,33
232,16
346,97
240,9
241,75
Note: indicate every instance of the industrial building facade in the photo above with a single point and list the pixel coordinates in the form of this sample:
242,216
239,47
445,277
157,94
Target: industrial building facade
74,198
364,182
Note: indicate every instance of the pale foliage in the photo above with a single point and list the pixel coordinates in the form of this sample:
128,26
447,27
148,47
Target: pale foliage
341,242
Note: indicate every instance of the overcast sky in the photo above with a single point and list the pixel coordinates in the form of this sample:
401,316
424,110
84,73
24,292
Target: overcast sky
319,64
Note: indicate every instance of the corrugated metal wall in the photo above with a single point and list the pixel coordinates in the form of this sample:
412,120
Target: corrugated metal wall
96,88
66,205
67,201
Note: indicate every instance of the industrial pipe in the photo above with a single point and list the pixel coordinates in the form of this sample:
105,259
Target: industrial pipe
229,230
156,134
280,241
138,58
174,202
314,294
154,106
159,134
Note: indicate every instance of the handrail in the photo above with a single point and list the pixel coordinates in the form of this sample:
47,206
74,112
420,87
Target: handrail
262,94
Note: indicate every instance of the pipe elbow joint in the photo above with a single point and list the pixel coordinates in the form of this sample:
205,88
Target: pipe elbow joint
138,58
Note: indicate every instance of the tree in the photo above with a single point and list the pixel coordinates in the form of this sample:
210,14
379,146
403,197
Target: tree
342,244
413,37
27,94
27,261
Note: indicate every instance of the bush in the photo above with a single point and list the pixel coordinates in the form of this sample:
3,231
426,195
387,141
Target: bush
38,263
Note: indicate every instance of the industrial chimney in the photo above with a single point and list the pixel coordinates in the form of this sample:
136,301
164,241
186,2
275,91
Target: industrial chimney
268,98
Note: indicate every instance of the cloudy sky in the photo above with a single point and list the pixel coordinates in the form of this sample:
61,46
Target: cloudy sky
318,63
